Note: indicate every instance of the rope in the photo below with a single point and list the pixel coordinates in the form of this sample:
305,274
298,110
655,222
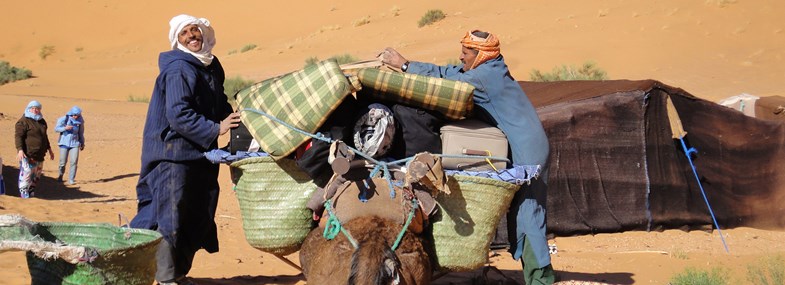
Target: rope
333,226
379,165
687,152
405,225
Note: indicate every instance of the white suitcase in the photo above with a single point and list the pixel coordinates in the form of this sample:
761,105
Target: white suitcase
475,138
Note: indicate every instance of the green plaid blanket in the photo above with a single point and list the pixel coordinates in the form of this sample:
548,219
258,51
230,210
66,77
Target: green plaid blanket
449,97
303,99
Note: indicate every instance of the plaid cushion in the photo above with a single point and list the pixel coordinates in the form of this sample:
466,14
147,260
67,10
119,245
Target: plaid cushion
449,97
302,99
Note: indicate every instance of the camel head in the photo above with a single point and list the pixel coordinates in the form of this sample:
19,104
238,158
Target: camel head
370,267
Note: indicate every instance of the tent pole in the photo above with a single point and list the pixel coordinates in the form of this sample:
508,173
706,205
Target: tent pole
687,152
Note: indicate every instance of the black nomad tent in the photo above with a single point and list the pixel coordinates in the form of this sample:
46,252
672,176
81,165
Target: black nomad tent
615,165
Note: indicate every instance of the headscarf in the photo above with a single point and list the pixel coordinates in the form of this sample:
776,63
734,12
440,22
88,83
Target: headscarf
29,114
75,110
488,47
176,25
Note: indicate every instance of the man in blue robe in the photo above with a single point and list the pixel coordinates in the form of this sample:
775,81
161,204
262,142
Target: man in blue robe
178,188
502,102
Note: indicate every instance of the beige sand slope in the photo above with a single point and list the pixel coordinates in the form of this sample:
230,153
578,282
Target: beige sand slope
106,51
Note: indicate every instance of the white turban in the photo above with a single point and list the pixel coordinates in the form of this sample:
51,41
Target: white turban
176,25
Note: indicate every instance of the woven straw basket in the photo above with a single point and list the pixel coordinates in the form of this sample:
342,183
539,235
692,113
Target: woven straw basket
468,218
272,196
124,256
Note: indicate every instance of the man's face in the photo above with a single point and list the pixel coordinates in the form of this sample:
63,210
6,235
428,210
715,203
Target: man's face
467,57
35,110
191,38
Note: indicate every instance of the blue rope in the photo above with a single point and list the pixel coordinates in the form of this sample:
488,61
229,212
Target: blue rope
379,165
688,152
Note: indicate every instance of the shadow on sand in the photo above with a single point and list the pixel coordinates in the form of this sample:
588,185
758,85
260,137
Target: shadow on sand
255,280
50,189
489,275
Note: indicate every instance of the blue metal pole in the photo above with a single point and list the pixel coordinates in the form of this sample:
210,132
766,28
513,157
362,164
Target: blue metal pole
687,153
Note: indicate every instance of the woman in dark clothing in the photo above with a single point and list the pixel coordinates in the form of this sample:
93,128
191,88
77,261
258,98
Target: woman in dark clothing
178,187
32,144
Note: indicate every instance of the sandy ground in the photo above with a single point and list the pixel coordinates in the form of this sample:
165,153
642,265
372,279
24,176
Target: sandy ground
105,52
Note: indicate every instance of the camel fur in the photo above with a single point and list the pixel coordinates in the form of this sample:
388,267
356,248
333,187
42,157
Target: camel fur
337,262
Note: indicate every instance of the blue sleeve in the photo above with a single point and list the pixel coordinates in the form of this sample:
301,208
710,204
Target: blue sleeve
180,114
60,125
452,72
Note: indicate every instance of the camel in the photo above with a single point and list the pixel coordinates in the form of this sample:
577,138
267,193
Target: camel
373,261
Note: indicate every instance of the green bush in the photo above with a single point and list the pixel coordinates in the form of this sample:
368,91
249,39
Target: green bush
430,17
10,73
341,59
769,271
454,61
589,71
233,85
362,21
247,48
693,276
141,99
46,51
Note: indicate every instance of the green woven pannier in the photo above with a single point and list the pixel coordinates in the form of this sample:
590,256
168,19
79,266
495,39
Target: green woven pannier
303,99
76,253
452,98
272,196
467,220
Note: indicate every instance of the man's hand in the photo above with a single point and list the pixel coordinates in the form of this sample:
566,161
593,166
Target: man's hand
392,58
231,121
51,155
81,147
20,156
69,127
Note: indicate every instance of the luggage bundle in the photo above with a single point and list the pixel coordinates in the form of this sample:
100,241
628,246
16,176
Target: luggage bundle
291,115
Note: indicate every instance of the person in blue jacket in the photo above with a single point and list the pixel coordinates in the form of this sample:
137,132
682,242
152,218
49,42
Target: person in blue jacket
177,192
502,102
71,142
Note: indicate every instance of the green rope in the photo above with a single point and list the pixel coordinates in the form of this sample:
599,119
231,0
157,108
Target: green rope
333,226
406,225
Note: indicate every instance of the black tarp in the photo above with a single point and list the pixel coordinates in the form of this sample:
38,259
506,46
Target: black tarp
616,167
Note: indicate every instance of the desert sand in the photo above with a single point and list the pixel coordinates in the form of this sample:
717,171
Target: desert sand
105,52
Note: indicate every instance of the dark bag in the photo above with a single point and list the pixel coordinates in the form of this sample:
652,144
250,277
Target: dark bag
418,131
240,139
313,160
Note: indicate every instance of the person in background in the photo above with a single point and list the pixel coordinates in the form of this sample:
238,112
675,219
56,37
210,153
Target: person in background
32,144
177,192
503,103
71,129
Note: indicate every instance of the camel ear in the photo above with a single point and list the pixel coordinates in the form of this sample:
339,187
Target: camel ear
391,269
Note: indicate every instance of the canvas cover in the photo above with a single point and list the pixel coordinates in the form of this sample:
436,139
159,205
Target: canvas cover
770,108
614,165
451,98
303,99
744,103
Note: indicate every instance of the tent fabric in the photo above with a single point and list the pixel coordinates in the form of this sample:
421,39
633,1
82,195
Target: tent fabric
614,165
